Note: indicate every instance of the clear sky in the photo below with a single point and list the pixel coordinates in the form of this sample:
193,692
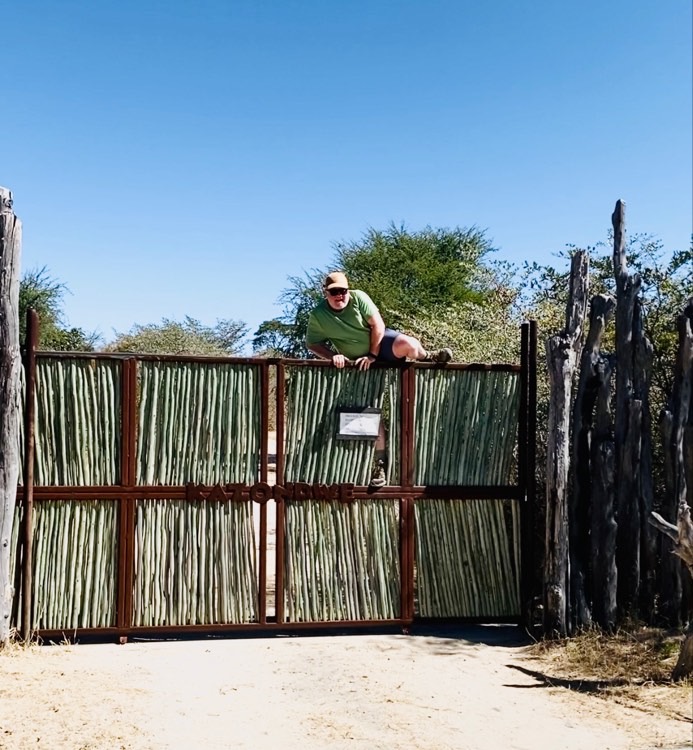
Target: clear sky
172,159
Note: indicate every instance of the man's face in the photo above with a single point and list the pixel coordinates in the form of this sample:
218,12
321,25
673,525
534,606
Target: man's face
337,298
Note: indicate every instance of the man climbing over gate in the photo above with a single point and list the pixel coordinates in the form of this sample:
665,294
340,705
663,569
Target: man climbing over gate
350,321
346,326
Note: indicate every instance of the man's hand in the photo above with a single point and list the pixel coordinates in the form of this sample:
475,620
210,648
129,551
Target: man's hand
339,361
364,363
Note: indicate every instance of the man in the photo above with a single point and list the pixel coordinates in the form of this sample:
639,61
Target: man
349,320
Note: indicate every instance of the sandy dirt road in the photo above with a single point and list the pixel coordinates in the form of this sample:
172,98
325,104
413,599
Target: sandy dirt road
472,688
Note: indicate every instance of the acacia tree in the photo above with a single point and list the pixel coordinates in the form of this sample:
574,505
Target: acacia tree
224,338
40,291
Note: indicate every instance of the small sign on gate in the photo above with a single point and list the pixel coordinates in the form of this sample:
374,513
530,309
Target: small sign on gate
358,423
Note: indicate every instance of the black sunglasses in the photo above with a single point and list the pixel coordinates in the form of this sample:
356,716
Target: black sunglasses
336,292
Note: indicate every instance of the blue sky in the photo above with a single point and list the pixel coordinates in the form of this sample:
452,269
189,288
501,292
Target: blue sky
172,159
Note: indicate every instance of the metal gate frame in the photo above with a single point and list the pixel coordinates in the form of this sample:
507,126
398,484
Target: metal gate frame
126,493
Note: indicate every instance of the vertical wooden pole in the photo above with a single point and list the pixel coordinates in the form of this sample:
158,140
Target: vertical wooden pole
532,435
526,567
627,427
32,332
10,251
561,356
528,412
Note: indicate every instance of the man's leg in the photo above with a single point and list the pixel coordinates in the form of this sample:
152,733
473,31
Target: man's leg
408,346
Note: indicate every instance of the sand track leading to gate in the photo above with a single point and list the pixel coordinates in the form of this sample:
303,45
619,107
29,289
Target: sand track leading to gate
421,692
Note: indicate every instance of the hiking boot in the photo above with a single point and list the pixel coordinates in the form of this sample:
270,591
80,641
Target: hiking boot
378,479
438,355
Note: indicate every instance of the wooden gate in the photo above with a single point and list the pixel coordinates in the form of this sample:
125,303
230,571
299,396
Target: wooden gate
156,500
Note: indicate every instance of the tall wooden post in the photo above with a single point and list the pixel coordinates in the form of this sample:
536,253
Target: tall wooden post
676,423
561,355
628,426
593,368
10,251
32,334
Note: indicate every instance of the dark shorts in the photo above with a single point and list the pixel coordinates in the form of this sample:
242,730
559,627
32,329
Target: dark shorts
385,354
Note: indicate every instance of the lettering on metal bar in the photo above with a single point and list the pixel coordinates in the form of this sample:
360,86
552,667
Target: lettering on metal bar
261,492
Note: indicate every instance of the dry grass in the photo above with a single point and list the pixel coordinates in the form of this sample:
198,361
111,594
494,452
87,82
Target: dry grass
631,667
636,656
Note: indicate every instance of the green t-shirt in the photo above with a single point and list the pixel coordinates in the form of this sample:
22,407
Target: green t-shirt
347,330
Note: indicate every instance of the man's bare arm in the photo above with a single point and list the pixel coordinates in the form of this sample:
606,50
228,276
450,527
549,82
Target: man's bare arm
377,332
320,350
338,360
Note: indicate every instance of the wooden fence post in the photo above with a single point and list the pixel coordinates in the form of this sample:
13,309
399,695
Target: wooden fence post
32,336
628,423
680,484
676,424
561,355
593,368
10,251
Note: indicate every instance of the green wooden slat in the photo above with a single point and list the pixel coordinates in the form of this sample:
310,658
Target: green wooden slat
313,395
198,422
465,426
195,563
77,433
74,561
466,553
342,561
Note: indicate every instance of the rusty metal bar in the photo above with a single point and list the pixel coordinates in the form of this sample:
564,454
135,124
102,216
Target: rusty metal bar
472,366
127,500
411,519
262,584
361,492
403,473
530,506
279,547
522,458
215,629
264,418
524,405
125,429
411,557
279,422
32,333
264,451
407,436
157,357
403,536
279,574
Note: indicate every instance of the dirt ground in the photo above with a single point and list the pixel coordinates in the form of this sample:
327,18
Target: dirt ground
475,687
472,688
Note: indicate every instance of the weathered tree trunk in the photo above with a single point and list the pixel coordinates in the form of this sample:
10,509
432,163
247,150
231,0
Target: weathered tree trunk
627,430
10,248
603,521
681,535
676,423
592,368
670,584
561,355
648,539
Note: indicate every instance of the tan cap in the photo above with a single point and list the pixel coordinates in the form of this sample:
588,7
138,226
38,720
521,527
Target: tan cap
335,279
